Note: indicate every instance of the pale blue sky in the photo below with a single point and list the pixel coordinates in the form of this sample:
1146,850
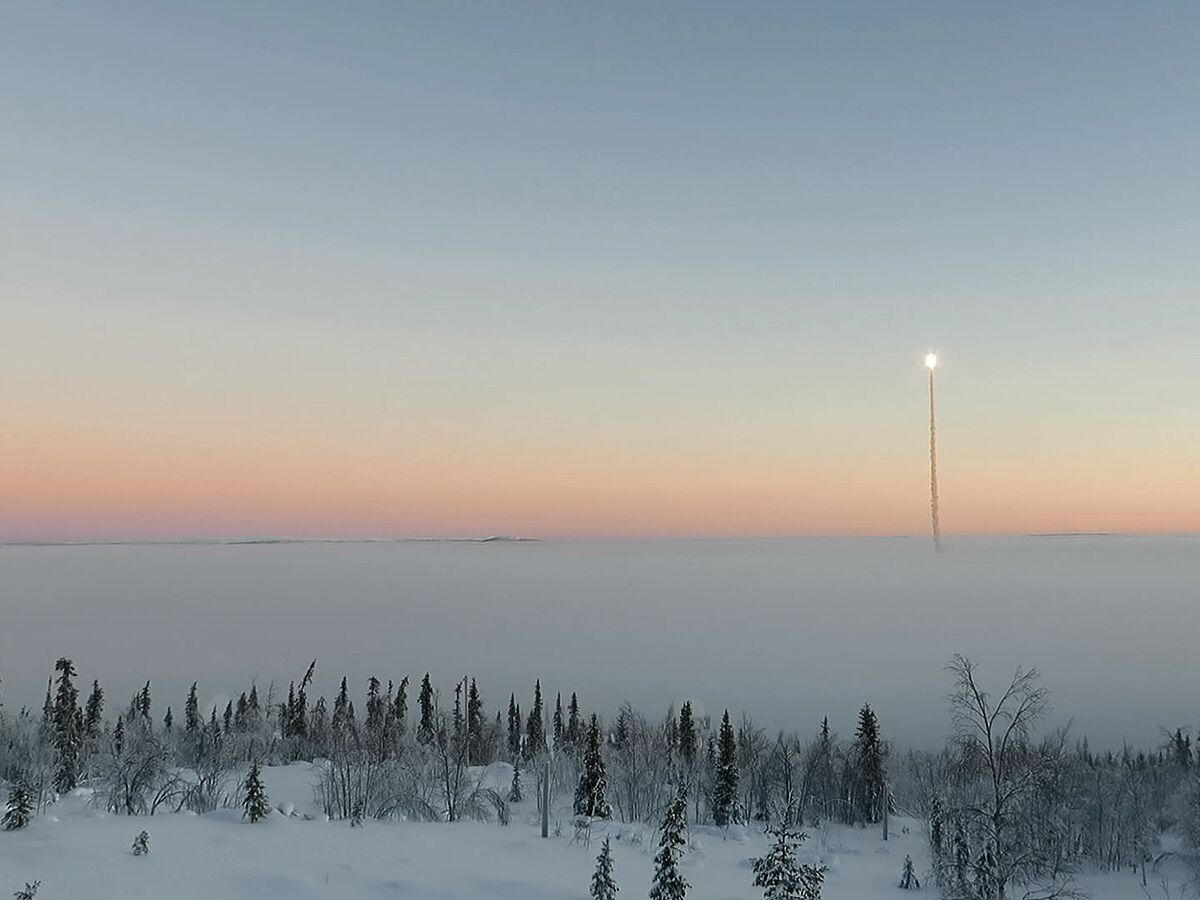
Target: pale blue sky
680,194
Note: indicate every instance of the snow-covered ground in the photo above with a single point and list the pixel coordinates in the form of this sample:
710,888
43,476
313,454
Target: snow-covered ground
80,853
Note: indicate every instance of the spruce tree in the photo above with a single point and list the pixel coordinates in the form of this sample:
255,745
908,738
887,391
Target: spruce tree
192,723
213,738
143,703
869,789
621,733
459,725
141,844
68,737
535,729
780,874
604,886
168,720
239,715
400,708
29,893
297,705
48,707
574,731
118,737
286,711
426,728
668,883
514,791
687,735
93,716
19,811
342,726
318,725
255,804
560,727
908,877
591,794
475,742
725,789
514,727
375,708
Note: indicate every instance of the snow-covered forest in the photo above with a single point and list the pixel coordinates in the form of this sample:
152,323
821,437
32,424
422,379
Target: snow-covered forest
694,804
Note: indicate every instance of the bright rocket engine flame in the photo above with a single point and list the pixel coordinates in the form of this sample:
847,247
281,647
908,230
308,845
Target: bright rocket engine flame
930,360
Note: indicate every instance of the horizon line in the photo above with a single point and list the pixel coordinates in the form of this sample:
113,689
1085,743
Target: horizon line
263,540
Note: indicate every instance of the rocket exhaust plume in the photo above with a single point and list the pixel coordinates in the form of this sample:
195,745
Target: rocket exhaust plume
931,364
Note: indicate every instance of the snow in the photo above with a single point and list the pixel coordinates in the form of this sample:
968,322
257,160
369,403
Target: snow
78,852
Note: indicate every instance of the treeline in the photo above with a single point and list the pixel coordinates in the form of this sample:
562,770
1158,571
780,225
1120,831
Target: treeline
384,762
1004,805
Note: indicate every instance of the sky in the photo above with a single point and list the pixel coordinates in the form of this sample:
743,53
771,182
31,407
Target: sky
621,269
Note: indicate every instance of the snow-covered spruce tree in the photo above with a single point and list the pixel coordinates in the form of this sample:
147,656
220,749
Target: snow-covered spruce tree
48,708
459,727
535,729
192,723
725,789
868,775
426,727
141,844
621,733
93,716
399,707
591,794
373,725
514,791
68,728
908,877
573,733
560,726
668,883
30,891
476,742
318,727
514,727
255,804
343,726
604,886
19,811
118,736
687,735
780,874
143,702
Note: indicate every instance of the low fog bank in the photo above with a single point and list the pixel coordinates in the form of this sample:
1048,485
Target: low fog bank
789,629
